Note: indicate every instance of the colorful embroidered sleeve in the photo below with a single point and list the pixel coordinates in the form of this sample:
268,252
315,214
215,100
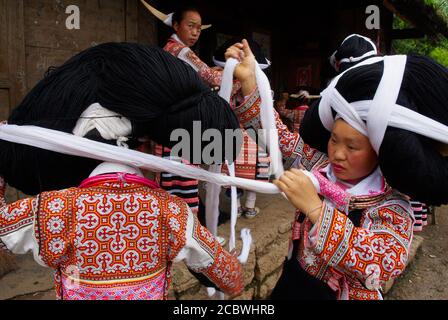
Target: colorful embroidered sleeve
284,112
211,76
202,253
17,225
295,152
373,253
56,223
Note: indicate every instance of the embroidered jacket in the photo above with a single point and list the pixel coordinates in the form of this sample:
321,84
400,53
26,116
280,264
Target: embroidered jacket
353,257
114,240
294,116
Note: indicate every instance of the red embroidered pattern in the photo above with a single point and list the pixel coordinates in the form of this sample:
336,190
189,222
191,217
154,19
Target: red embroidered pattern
294,150
372,254
117,240
54,228
212,76
16,216
225,271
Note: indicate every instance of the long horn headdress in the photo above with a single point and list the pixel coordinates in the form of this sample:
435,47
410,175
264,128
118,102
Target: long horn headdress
165,18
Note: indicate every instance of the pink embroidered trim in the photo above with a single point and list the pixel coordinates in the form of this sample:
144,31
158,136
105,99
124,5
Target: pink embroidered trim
153,289
118,177
332,191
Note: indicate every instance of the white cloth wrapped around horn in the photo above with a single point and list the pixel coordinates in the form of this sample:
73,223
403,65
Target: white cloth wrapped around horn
70,144
372,117
166,18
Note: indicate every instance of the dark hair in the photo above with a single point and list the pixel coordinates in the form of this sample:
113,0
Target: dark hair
409,162
179,13
157,92
354,46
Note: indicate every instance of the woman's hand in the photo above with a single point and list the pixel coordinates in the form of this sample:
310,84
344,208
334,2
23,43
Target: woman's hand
245,70
301,193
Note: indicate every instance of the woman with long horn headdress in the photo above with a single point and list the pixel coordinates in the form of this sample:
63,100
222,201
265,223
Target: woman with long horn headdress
186,22
109,233
375,126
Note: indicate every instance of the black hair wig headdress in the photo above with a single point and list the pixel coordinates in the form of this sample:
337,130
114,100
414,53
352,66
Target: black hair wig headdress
354,49
400,103
153,90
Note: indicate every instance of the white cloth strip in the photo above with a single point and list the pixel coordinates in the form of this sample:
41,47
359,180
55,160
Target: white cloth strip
169,20
227,79
356,59
69,144
407,119
347,112
233,209
385,97
222,64
268,122
246,237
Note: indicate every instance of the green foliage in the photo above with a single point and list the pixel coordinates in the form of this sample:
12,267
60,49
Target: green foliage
441,6
434,48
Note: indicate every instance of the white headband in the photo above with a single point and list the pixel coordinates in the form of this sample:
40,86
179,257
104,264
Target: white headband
372,117
110,125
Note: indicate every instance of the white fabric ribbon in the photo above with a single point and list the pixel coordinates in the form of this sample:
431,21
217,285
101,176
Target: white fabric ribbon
169,20
372,117
110,125
69,144
222,64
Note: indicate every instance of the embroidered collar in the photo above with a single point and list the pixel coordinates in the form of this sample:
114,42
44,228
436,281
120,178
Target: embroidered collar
364,194
373,184
176,38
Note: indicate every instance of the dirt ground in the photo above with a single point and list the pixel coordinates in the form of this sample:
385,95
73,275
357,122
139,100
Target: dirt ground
426,278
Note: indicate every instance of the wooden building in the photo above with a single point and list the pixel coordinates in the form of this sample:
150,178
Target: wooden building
298,37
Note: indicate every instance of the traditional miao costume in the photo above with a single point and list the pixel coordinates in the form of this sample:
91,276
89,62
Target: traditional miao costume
114,237
363,236
293,116
344,255
116,234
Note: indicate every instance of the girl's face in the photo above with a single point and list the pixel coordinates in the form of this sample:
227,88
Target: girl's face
351,154
189,29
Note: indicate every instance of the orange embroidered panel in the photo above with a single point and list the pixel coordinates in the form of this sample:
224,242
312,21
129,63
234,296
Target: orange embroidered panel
225,271
111,232
54,227
17,215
